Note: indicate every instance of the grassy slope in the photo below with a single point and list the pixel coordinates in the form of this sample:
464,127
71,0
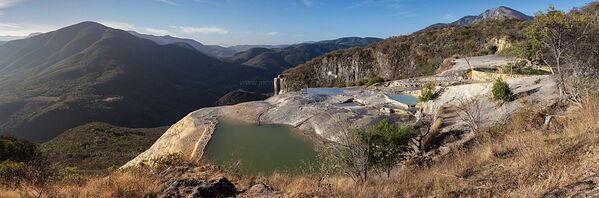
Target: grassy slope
96,146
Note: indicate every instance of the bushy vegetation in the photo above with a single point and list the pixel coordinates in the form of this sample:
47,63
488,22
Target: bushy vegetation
17,150
369,151
501,91
427,92
568,43
170,160
98,146
522,68
369,81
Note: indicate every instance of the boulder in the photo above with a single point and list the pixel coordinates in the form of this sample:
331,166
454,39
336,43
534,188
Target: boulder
259,189
190,187
588,187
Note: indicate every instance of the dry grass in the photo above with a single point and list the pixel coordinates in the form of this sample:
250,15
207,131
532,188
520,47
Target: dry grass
522,160
132,183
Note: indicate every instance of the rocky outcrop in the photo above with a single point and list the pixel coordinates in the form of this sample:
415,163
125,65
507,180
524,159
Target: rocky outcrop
588,187
187,187
501,43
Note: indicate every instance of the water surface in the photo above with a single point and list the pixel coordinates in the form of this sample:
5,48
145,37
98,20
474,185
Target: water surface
326,91
406,99
260,150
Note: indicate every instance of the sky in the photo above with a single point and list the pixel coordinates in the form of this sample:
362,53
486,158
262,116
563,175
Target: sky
252,22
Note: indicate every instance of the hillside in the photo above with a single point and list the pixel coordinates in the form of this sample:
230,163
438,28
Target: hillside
211,50
274,61
420,53
98,146
88,72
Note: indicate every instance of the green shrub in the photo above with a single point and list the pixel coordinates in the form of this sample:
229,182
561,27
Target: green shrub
17,150
361,82
501,91
375,80
165,161
489,50
11,171
427,92
388,145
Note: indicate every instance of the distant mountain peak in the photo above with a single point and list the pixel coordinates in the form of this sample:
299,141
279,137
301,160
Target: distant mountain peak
498,13
503,12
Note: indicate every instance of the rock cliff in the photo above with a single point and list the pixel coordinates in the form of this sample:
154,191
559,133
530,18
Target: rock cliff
418,54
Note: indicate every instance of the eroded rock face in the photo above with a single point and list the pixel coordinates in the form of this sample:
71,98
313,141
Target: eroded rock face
188,187
189,137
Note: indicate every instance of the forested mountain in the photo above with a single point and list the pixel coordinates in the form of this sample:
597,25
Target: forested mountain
88,72
276,60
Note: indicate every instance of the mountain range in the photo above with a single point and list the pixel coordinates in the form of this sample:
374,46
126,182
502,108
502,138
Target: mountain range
241,48
211,50
498,13
277,60
88,72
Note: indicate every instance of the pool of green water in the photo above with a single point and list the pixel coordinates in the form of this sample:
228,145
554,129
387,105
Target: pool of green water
406,99
261,150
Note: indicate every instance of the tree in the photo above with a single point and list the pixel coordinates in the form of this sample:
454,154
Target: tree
555,35
363,151
470,113
349,156
389,145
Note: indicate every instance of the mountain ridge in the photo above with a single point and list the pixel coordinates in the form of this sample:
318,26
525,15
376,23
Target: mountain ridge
211,50
89,72
498,13
274,61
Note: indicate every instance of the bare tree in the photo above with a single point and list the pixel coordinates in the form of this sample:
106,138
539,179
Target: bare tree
350,156
426,134
470,113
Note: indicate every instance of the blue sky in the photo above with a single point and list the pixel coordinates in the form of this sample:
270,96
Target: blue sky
232,22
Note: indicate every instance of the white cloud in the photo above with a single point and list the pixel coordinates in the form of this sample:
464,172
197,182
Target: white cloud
171,2
159,32
308,3
16,30
8,3
272,34
204,30
118,25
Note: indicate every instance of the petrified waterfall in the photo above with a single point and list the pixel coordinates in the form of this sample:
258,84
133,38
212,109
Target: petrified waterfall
280,84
